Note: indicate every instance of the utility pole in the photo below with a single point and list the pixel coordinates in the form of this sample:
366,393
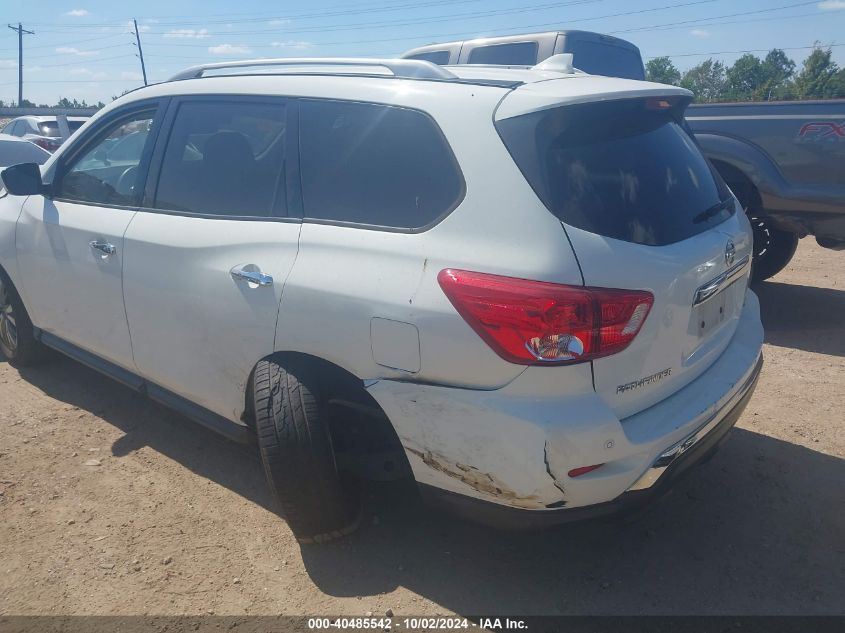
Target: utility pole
20,30
140,50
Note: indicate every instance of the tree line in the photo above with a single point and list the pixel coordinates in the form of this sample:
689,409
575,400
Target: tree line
64,102
750,78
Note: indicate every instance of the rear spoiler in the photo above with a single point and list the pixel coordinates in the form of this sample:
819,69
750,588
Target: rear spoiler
577,88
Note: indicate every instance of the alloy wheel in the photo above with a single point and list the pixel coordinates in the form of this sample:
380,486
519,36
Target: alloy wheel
8,322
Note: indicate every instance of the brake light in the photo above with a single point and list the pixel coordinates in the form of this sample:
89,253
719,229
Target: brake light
537,322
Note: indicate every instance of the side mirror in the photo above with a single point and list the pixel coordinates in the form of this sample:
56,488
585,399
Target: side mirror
23,179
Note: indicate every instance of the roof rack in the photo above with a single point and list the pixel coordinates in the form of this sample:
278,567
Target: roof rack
403,68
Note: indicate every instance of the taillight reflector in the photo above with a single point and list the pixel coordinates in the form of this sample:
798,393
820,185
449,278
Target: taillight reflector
583,470
538,323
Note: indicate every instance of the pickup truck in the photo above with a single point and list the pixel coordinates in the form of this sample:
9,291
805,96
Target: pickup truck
785,161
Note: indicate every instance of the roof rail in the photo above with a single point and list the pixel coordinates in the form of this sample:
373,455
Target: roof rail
404,68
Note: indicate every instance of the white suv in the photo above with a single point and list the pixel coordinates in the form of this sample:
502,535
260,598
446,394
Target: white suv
524,286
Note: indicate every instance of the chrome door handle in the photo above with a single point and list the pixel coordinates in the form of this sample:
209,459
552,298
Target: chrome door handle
103,247
251,276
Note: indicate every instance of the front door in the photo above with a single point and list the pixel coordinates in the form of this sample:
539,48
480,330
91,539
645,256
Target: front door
206,259
70,243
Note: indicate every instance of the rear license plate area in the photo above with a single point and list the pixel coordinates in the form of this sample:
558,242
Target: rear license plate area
708,316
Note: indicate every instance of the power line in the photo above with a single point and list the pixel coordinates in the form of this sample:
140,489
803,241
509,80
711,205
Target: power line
730,15
448,18
748,50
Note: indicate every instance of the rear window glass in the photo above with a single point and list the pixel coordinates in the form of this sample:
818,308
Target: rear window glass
51,128
618,170
516,54
374,164
435,57
597,58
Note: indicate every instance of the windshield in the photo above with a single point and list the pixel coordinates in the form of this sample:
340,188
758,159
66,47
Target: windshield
620,170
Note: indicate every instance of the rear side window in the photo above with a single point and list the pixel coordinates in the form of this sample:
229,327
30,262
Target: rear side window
516,54
435,57
225,158
619,170
597,58
376,165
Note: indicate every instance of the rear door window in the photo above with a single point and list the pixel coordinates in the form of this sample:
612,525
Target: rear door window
515,54
620,170
375,165
225,158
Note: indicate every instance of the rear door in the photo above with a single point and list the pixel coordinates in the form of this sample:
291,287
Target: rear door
643,210
207,256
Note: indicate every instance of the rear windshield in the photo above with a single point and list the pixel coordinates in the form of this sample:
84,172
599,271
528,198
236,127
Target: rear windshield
51,128
598,58
620,170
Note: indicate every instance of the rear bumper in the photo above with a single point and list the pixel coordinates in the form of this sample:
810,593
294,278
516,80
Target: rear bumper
673,463
512,448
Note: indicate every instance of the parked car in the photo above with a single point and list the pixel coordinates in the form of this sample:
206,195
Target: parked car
597,54
526,288
784,160
44,131
14,150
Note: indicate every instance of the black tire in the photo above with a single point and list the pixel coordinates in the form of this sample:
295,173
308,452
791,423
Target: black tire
773,248
17,341
294,437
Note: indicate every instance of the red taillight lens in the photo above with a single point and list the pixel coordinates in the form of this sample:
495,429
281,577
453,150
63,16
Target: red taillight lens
45,143
583,470
537,322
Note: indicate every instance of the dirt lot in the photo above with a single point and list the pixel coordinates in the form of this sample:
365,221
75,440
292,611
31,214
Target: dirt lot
172,520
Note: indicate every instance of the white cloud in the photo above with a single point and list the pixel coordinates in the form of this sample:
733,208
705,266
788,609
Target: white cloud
131,75
832,5
279,22
77,13
87,72
294,44
192,34
228,49
70,50
9,63
699,33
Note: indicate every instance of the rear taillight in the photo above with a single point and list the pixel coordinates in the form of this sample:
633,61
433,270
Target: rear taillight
46,143
537,322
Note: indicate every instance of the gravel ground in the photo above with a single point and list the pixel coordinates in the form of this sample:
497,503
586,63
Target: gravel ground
110,504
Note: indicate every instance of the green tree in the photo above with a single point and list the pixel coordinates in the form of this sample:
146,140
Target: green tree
745,77
663,71
818,76
778,71
706,81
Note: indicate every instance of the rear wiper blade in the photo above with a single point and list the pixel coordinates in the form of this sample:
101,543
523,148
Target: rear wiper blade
711,211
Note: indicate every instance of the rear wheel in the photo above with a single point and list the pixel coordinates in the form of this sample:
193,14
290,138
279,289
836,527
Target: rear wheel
773,248
17,340
319,502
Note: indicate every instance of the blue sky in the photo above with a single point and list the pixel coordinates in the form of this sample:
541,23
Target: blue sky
84,50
